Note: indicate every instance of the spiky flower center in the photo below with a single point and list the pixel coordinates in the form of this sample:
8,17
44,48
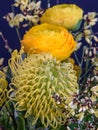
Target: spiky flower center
43,87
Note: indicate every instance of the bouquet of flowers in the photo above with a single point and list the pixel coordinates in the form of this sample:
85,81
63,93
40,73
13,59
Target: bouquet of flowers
48,84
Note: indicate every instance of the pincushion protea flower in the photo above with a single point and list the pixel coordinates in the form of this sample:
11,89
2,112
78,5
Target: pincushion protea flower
67,15
49,38
43,87
3,86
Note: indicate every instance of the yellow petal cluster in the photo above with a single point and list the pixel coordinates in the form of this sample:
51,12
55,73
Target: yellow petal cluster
43,87
3,86
67,15
49,38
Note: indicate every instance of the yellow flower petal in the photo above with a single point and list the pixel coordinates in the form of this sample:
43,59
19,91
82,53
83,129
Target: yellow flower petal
49,38
3,86
67,15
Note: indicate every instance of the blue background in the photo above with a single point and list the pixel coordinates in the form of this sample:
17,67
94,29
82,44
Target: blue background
10,33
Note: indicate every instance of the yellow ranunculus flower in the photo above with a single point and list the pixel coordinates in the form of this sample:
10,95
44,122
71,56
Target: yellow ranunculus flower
49,38
67,15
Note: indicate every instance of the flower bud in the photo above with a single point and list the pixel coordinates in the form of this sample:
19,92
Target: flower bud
67,15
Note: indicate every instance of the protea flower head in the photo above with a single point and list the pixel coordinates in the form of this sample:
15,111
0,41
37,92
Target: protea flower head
3,86
43,87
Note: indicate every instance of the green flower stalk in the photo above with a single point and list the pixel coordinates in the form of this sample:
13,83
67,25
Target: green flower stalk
3,86
43,87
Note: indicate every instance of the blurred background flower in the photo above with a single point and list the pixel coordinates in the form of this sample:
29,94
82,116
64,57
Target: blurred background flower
3,88
30,12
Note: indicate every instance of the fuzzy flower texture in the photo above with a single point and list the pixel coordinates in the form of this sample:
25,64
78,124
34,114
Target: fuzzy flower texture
43,87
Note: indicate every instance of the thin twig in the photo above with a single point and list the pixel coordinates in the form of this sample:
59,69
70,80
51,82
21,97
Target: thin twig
17,30
6,43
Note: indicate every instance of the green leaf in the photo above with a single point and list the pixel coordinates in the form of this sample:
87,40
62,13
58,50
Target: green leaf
8,73
10,126
73,126
29,123
59,128
20,123
79,37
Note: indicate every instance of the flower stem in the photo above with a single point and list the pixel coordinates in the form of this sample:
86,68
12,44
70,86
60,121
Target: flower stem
86,72
76,58
6,43
48,4
17,30
18,34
